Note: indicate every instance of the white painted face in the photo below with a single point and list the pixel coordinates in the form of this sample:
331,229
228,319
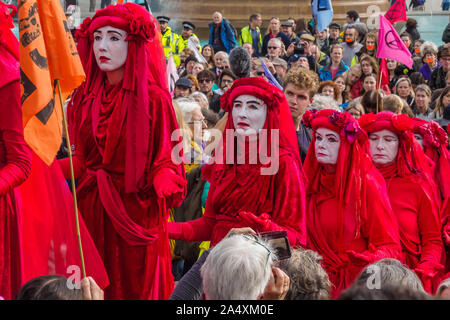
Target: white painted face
249,114
384,147
110,48
327,146
419,139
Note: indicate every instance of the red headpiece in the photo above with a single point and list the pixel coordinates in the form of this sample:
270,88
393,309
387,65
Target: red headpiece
145,65
9,46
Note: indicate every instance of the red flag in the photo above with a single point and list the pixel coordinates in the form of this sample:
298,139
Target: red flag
383,74
397,12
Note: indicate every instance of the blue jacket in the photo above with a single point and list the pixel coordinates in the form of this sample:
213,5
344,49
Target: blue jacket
325,72
226,35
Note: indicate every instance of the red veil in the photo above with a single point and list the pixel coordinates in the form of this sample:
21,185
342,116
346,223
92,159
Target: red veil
145,64
412,174
361,201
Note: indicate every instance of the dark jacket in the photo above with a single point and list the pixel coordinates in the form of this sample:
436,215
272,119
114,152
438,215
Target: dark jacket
437,78
190,209
267,37
227,36
304,140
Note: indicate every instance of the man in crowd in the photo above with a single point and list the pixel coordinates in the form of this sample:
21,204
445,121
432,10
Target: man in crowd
437,78
300,85
274,49
351,45
183,88
288,29
206,80
280,67
221,34
299,60
187,34
275,32
353,20
334,30
221,59
252,34
249,48
168,38
322,41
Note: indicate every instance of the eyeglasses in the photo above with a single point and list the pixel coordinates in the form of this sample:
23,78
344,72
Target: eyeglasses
273,47
227,81
204,80
252,238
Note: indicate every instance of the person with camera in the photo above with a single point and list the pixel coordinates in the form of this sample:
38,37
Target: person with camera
246,190
336,67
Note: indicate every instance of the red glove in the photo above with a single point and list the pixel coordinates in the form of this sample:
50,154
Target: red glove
427,271
259,223
359,258
167,183
10,177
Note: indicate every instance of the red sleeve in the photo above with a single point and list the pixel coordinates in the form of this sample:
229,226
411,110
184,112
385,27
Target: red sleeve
430,231
380,226
163,126
289,203
17,154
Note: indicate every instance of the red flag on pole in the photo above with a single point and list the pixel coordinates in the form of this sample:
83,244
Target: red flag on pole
383,74
397,12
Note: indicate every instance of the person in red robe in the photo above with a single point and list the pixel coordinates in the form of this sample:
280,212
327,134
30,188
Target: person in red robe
246,190
411,190
15,158
121,122
349,218
434,141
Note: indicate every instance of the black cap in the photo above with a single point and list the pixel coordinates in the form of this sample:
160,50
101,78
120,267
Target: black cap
295,57
184,82
188,25
334,25
162,19
287,24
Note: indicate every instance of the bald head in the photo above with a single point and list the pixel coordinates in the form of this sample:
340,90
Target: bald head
217,17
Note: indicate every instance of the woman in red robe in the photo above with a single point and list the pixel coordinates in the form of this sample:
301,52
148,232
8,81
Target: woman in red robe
262,194
15,159
121,122
411,190
350,221
434,141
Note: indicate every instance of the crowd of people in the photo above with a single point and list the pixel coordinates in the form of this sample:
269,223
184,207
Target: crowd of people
352,170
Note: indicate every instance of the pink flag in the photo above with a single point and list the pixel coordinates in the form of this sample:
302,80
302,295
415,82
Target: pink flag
397,12
390,45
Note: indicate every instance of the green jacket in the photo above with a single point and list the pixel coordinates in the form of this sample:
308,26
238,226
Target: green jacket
179,46
246,36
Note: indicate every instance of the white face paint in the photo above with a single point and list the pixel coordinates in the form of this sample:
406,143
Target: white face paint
249,114
384,147
419,139
110,48
327,146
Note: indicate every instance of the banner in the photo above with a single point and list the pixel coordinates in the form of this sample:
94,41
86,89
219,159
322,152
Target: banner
390,45
47,53
322,11
172,74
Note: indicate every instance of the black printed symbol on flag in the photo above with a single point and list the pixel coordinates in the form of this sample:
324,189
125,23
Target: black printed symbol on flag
391,41
28,86
39,60
396,11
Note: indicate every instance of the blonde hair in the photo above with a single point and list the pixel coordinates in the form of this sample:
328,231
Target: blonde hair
186,133
393,103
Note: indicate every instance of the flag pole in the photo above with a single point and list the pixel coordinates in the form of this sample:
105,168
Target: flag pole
379,86
72,175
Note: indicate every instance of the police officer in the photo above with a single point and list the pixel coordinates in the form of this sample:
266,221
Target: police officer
168,37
